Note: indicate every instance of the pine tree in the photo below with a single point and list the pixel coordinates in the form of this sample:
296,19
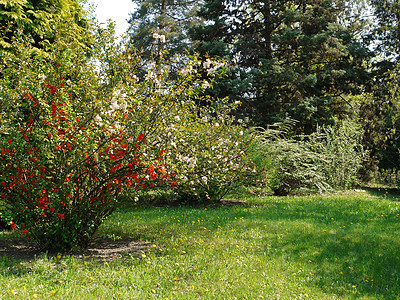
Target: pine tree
169,19
292,58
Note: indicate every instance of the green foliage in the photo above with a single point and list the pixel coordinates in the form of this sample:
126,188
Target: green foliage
211,159
385,32
36,20
288,58
169,19
325,160
65,156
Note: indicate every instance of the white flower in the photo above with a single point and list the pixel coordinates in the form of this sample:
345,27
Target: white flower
177,118
216,125
156,35
186,71
210,71
42,78
98,119
240,120
205,85
123,105
192,162
150,75
204,179
207,64
114,105
162,38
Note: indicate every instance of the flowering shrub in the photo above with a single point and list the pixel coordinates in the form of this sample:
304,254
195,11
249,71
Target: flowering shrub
70,150
76,132
210,157
206,147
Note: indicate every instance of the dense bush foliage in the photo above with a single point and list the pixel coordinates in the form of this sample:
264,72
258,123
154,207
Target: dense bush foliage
211,159
325,160
76,132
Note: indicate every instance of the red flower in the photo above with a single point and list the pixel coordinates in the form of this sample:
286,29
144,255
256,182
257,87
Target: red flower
25,231
140,138
53,90
61,216
13,225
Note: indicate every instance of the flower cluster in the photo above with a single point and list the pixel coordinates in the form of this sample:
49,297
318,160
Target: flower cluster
160,37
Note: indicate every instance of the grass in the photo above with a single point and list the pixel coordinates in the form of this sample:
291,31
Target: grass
343,246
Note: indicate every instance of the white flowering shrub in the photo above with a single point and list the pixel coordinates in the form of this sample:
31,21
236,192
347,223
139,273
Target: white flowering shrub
205,146
210,157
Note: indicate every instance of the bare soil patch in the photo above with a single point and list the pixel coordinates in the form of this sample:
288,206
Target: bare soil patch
100,249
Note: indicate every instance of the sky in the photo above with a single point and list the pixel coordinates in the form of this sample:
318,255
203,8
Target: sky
117,10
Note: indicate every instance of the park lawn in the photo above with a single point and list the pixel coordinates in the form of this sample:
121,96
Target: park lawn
344,245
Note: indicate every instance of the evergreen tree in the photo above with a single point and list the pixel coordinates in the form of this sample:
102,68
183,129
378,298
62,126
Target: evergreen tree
168,19
385,35
288,58
379,112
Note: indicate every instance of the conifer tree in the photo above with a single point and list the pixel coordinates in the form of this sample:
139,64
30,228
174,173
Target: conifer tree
288,58
165,19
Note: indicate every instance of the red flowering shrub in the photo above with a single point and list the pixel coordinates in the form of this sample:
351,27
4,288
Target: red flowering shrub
71,144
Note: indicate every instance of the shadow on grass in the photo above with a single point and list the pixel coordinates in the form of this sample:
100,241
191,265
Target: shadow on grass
352,252
352,246
388,193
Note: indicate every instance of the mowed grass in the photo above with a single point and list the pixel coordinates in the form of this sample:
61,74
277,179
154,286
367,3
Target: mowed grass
339,246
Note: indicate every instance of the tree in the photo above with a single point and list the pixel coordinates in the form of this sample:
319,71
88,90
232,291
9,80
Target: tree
386,32
164,19
288,57
36,20
379,111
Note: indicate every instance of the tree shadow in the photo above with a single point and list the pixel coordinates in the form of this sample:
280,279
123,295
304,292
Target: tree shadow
388,193
360,259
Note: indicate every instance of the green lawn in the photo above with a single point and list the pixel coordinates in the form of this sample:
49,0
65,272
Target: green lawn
343,246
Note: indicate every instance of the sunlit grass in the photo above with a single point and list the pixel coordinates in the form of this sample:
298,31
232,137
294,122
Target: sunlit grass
313,247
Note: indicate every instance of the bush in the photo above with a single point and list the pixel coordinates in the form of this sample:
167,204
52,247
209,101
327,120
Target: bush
78,131
325,160
211,159
206,145
71,147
